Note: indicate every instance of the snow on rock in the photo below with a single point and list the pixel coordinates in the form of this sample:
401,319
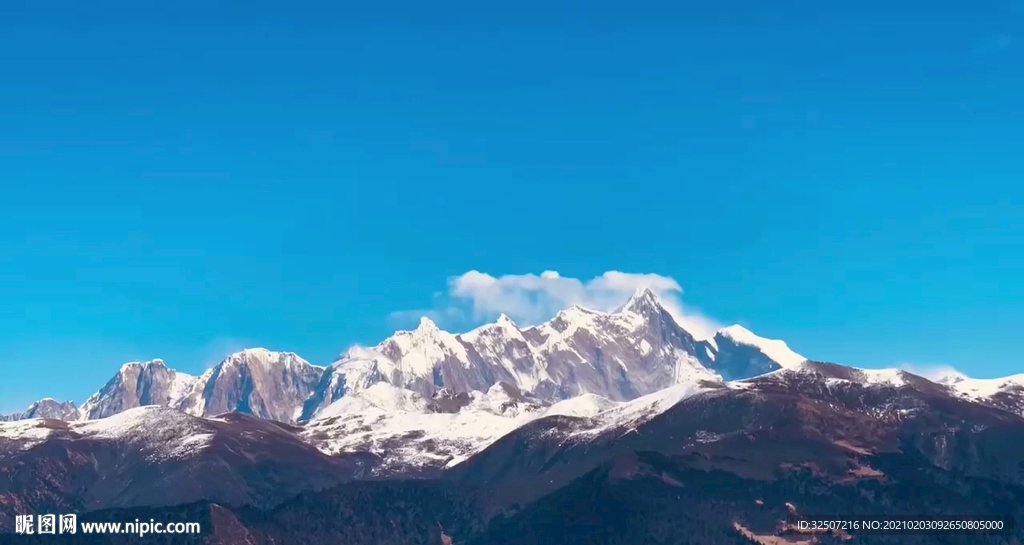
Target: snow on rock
24,434
46,408
161,433
628,415
417,351
503,343
358,368
777,350
981,388
399,426
137,384
379,397
637,350
834,374
164,433
893,377
582,406
255,381
620,355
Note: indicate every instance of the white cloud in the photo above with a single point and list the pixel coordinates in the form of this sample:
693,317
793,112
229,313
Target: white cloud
530,299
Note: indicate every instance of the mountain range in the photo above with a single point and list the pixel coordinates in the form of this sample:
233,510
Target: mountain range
504,429
621,355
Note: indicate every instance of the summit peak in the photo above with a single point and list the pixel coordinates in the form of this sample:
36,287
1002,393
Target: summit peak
426,325
642,301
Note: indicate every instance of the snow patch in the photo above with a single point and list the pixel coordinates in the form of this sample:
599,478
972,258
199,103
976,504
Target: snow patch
583,406
980,388
397,425
161,433
645,347
381,397
776,350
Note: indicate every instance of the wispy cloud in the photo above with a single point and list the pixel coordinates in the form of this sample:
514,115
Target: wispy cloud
994,44
929,371
531,298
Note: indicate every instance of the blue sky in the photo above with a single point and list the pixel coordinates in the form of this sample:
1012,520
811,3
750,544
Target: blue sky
185,180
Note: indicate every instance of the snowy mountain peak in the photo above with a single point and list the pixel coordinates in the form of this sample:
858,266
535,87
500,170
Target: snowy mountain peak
46,408
504,326
137,384
264,359
951,378
777,350
643,301
427,326
570,319
255,381
380,397
142,365
983,388
737,332
255,355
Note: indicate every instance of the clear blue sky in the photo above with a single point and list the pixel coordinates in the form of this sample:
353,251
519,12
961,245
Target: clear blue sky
184,180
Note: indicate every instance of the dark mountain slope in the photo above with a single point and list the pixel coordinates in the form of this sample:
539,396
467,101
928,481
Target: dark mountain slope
155,456
648,498
809,418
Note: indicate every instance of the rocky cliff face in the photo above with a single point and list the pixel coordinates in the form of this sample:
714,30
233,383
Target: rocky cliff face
51,408
135,385
257,381
46,408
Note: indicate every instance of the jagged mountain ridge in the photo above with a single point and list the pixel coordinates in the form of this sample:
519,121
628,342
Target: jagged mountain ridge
254,381
46,408
621,355
634,351
138,384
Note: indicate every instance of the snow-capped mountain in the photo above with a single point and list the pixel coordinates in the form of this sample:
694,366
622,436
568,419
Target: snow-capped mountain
814,419
634,351
416,435
159,456
739,354
255,381
1006,392
46,408
138,384
620,355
